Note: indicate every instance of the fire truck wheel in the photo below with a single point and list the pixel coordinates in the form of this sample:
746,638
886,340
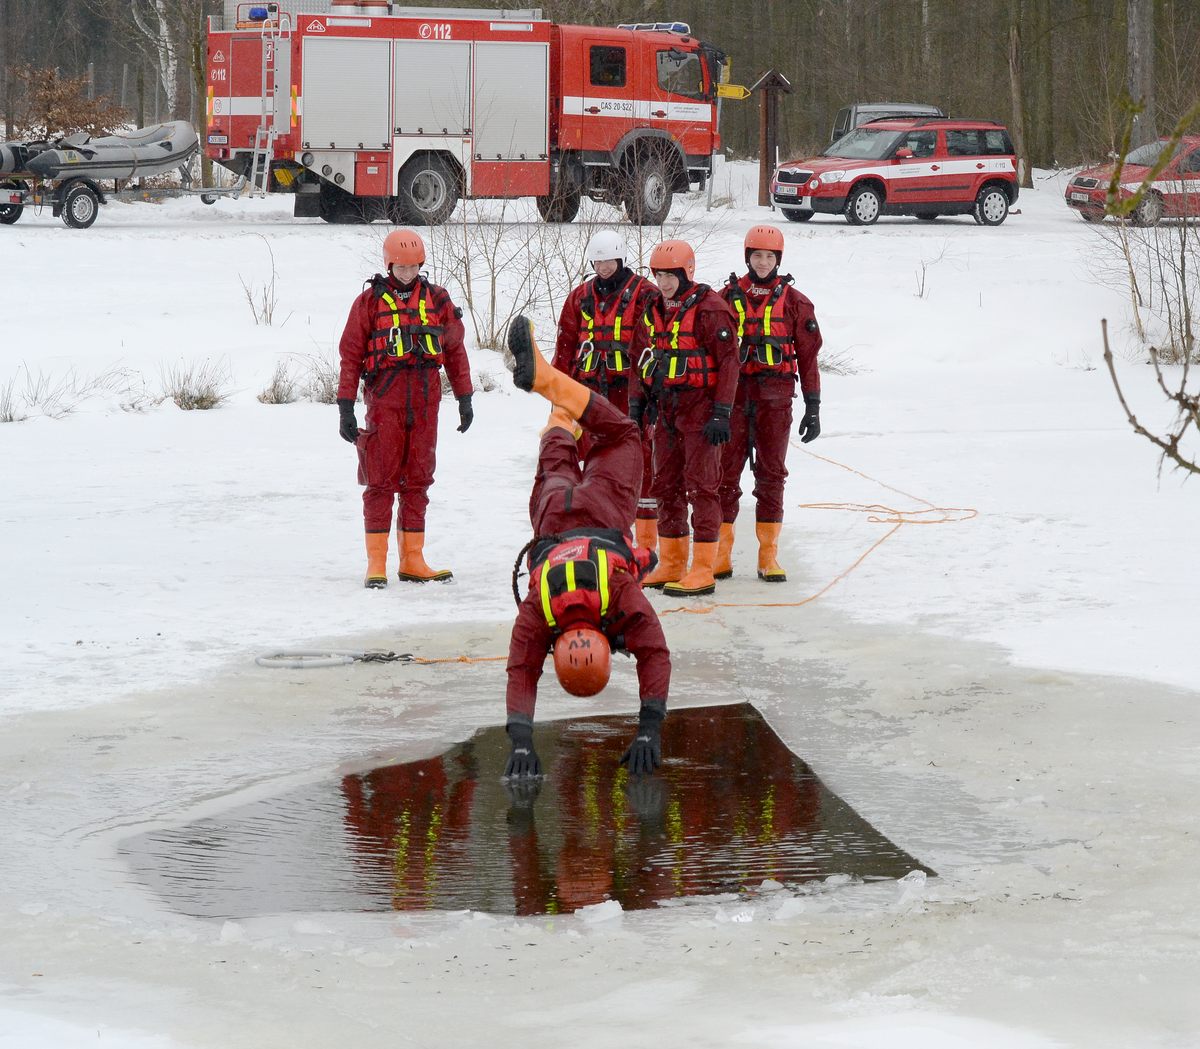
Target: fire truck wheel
796,214
80,206
863,206
991,206
560,206
647,192
426,191
9,213
1149,211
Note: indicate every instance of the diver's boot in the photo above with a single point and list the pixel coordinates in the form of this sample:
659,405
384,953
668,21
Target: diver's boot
413,568
377,544
559,419
532,372
672,562
768,549
723,566
645,531
699,579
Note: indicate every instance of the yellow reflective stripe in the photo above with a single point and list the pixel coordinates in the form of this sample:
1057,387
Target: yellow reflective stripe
767,320
570,575
602,580
591,323
618,361
675,336
545,593
617,329
741,311
388,301
429,347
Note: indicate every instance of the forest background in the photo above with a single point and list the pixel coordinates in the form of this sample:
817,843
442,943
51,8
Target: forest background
1052,70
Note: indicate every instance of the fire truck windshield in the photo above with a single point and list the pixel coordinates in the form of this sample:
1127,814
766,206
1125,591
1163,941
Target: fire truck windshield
864,144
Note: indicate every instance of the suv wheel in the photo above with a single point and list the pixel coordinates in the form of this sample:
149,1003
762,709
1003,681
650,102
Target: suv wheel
991,206
1149,211
863,206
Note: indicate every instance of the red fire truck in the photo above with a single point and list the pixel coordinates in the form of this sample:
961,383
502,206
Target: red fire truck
368,110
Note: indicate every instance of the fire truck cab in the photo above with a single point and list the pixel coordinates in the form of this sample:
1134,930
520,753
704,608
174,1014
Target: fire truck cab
367,110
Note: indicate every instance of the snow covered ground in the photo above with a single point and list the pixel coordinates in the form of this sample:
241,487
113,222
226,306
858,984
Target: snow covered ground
1007,694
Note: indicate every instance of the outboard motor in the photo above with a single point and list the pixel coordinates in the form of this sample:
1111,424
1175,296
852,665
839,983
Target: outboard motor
13,157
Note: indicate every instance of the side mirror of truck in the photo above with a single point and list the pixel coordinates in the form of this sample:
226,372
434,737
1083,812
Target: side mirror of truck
904,153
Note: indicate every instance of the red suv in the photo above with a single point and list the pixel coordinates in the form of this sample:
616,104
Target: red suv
927,167
1175,192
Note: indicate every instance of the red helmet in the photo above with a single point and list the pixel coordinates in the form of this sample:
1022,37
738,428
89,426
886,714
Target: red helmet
582,660
674,255
403,247
765,238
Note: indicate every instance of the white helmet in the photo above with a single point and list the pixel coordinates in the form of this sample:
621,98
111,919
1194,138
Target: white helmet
606,244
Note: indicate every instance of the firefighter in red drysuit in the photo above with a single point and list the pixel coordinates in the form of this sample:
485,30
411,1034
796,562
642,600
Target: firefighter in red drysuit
689,372
596,330
584,594
400,333
779,338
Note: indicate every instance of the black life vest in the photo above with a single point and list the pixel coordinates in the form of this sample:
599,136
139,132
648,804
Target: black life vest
674,356
572,574
401,335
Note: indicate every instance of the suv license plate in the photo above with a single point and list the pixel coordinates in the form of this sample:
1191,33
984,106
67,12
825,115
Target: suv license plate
786,191
1081,196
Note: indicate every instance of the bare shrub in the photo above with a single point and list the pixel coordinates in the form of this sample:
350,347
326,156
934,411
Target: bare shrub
53,395
197,387
11,406
263,298
319,377
283,387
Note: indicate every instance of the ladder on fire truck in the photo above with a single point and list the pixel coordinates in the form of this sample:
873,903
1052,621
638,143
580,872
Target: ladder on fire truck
276,32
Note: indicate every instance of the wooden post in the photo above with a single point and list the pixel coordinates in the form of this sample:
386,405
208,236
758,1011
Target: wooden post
771,85
141,92
124,84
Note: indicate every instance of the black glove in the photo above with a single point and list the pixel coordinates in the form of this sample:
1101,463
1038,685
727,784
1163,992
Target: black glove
810,425
716,430
523,760
466,414
644,754
347,424
637,412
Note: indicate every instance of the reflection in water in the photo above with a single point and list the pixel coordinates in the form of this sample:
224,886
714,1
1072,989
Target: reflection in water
731,807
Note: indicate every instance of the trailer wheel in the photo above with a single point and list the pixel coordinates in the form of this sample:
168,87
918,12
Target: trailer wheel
426,191
207,198
80,206
647,191
9,213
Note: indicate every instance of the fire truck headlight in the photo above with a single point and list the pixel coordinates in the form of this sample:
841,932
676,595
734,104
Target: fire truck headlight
833,176
306,159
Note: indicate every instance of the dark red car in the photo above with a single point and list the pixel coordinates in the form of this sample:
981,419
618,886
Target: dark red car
1175,193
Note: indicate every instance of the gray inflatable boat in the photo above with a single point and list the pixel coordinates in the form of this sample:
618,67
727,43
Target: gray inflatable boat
149,151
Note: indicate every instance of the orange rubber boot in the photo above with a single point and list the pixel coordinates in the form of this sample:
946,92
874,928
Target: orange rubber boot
377,544
723,567
672,562
768,549
699,579
413,568
645,532
559,419
532,372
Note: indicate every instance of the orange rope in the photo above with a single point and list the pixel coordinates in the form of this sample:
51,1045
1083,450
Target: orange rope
457,659
876,513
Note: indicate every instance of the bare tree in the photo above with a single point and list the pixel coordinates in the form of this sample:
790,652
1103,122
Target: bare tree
1140,69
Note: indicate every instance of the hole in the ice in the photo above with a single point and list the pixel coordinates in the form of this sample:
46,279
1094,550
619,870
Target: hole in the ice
731,807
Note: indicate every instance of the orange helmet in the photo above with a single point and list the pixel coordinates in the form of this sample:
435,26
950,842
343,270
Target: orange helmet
674,255
582,660
765,238
403,247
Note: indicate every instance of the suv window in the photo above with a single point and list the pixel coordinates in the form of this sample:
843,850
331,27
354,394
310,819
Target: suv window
841,123
963,143
922,143
1192,163
681,73
997,143
608,66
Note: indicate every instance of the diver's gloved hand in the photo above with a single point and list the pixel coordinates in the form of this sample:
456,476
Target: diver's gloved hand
347,424
522,760
466,414
810,425
644,754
